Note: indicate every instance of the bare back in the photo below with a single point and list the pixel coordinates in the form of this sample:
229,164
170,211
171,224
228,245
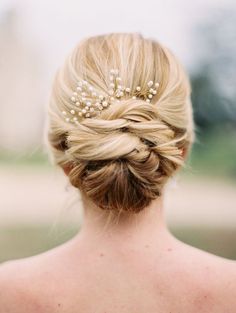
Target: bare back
173,278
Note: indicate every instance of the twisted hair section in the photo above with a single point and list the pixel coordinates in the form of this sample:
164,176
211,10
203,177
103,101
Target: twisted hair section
122,159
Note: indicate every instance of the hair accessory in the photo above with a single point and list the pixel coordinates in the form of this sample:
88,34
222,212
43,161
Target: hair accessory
87,102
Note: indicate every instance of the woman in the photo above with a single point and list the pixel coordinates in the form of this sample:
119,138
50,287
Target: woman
120,125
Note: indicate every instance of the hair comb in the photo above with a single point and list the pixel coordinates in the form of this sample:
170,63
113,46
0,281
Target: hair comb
88,102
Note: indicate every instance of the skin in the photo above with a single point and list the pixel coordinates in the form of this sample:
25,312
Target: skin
128,265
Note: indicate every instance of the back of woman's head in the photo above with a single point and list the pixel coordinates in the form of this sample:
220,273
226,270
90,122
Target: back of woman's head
120,119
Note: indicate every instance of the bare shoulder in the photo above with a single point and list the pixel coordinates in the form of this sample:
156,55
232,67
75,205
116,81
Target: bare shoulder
34,284
225,282
15,295
24,285
215,275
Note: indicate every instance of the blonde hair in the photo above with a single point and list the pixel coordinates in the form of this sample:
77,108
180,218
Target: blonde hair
122,158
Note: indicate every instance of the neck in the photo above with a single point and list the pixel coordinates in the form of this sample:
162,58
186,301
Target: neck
147,225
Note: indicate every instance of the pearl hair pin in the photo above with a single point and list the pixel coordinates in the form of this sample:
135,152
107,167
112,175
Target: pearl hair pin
87,102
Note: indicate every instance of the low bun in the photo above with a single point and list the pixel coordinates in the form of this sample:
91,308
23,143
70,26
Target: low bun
122,157
122,163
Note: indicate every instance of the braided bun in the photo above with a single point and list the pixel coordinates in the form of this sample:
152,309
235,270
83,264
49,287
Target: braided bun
122,158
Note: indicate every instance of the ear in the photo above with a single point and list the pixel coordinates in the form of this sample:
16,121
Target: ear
184,153
67,168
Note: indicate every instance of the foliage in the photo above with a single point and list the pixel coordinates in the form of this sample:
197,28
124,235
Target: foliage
213,76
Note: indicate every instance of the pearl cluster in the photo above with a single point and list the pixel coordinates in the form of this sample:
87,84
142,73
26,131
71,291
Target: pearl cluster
87,102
